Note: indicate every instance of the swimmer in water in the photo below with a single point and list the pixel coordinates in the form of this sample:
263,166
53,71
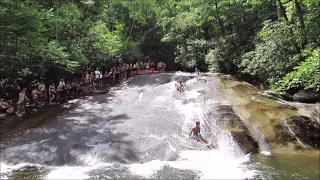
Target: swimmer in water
197,136
180,86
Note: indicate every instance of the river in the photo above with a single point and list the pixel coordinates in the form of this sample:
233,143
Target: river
139,130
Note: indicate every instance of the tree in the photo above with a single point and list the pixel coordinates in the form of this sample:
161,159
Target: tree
260,39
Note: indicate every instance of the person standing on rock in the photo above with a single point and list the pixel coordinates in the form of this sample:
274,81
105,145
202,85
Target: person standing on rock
22,102
43,91
35,94
52,92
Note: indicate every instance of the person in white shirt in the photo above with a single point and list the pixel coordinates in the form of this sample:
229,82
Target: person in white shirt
52,92
100,79
97,77
42,90
97,74
61,85
61,88
42,87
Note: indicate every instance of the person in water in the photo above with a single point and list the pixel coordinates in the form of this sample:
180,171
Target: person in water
197,71
196,133
180,86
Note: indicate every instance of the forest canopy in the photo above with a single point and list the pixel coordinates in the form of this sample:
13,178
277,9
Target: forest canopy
275,42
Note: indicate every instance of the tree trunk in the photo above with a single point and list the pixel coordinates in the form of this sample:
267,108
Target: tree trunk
131,27
112,26
57,4
301,22
281,11
219,19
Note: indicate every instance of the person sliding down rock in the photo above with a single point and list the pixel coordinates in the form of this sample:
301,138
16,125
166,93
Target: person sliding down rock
197,136
180,87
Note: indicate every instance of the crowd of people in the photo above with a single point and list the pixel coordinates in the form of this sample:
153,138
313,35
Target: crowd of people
40,93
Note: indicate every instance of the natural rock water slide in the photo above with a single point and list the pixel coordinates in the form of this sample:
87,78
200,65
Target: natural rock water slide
140,130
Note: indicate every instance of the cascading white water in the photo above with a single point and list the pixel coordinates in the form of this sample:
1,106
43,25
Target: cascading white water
152,137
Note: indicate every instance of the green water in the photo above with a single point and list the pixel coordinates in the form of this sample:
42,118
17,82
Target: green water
288,166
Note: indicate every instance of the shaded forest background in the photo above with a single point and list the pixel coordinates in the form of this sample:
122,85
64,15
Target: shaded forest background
275,42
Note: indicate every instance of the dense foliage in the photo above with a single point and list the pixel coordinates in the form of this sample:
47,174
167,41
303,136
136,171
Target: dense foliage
262,39
306,75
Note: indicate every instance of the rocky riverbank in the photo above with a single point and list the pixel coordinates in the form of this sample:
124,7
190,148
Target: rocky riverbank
304,96
267,121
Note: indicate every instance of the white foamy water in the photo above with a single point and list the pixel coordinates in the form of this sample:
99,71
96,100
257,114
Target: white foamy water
226,161
211,164
75,172
7,169
266,153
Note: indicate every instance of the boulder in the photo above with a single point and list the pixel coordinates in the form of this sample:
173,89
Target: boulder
237,129
245,141
278,95
306,129
287,106
100,91
228,117
307,96
227,76
282,135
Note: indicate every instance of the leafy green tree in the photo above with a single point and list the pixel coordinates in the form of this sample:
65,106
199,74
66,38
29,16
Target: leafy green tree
305,76
191,54
260,39
273,44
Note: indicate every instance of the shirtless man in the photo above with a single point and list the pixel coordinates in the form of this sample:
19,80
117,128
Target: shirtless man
196,133
22,102
42,90
52,92
35,96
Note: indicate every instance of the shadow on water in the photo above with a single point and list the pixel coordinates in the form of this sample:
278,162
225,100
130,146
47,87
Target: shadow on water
15,126
73,138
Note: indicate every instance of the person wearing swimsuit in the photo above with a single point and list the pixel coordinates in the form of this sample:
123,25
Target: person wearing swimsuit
43,91
180,87
196,133
52,92
22,102
35,96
